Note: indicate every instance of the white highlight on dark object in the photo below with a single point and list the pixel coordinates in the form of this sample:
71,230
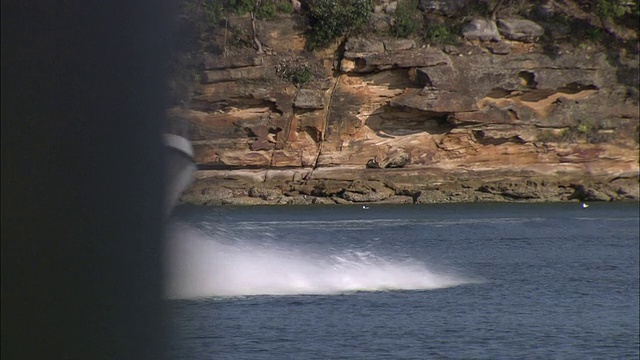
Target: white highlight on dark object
179,143
180,169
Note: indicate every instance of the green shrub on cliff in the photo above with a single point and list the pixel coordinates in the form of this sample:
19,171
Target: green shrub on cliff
209,13
266,11
440,33
329,19
206,13
239,7
594,34
407,18
295,69
284,7
240,37
301,76
612,8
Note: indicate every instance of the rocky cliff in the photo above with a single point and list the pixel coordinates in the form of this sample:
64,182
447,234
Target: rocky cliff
510,110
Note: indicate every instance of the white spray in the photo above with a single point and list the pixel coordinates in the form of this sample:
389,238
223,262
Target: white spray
202,265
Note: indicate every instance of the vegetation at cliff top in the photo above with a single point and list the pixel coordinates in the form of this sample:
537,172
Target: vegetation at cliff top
270,8
210,13
407,19
616,9
329,19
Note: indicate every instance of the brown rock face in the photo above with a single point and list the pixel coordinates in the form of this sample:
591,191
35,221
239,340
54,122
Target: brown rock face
396,121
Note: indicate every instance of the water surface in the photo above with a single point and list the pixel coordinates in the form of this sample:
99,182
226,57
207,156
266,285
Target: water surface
473,281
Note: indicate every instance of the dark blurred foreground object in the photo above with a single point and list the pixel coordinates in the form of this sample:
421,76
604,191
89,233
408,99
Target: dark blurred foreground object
83,94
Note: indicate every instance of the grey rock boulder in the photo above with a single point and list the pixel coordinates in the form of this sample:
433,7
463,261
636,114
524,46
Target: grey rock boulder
359,47
481,29
520,29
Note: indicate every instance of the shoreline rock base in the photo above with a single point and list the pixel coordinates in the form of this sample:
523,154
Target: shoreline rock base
416,186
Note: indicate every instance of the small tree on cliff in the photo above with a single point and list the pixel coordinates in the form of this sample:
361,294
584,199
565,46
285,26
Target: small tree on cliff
329,19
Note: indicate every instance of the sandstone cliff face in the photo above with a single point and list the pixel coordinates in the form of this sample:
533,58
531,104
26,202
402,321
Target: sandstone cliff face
401,121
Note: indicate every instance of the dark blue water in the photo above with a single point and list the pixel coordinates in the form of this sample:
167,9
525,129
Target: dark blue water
479,281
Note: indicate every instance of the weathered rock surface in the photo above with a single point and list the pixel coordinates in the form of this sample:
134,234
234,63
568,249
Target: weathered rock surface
265,193
520,29
397,121
500,48
310,99
481,29
443,7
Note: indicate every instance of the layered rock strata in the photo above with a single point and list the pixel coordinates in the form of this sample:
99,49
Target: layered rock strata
399,121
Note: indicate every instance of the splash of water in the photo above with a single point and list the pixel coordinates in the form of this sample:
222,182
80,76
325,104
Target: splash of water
201,265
